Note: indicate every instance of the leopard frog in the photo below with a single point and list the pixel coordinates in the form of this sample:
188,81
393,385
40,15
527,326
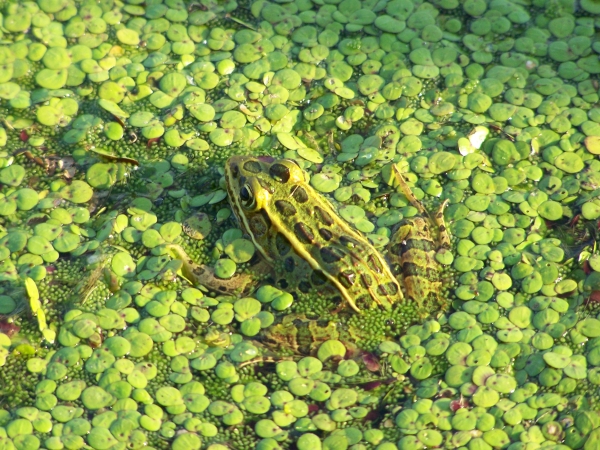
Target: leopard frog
300,236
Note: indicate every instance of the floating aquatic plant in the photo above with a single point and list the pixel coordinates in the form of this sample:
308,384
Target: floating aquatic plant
116,120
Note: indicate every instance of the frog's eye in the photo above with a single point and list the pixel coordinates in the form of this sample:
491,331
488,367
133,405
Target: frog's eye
294,162
247,198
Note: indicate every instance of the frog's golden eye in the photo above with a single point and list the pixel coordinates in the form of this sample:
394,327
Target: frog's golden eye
247,197
294,162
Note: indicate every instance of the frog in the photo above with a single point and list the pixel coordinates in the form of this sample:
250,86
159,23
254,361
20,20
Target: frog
302,239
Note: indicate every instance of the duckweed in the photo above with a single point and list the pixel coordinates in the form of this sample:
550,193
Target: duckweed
117,119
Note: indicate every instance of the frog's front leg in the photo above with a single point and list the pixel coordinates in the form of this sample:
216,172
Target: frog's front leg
204,275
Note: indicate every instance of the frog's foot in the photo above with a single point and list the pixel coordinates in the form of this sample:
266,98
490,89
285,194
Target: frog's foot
405,188
438,219
444,237
204,275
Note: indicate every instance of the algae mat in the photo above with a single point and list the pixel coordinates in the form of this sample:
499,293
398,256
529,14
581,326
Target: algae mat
116,119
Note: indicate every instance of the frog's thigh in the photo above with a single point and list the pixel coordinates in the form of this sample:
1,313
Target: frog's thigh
397,242
420,272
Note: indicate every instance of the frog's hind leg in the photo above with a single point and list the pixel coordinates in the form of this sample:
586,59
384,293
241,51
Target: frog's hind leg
414,250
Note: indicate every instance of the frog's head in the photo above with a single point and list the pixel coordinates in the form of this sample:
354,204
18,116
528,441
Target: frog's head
252,181
258,190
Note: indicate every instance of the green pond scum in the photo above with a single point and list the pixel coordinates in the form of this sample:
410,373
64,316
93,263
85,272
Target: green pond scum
135,312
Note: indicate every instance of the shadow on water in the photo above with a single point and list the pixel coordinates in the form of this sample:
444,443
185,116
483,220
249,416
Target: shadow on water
575,236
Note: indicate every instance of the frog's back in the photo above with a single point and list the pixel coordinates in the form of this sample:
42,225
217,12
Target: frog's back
292,225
